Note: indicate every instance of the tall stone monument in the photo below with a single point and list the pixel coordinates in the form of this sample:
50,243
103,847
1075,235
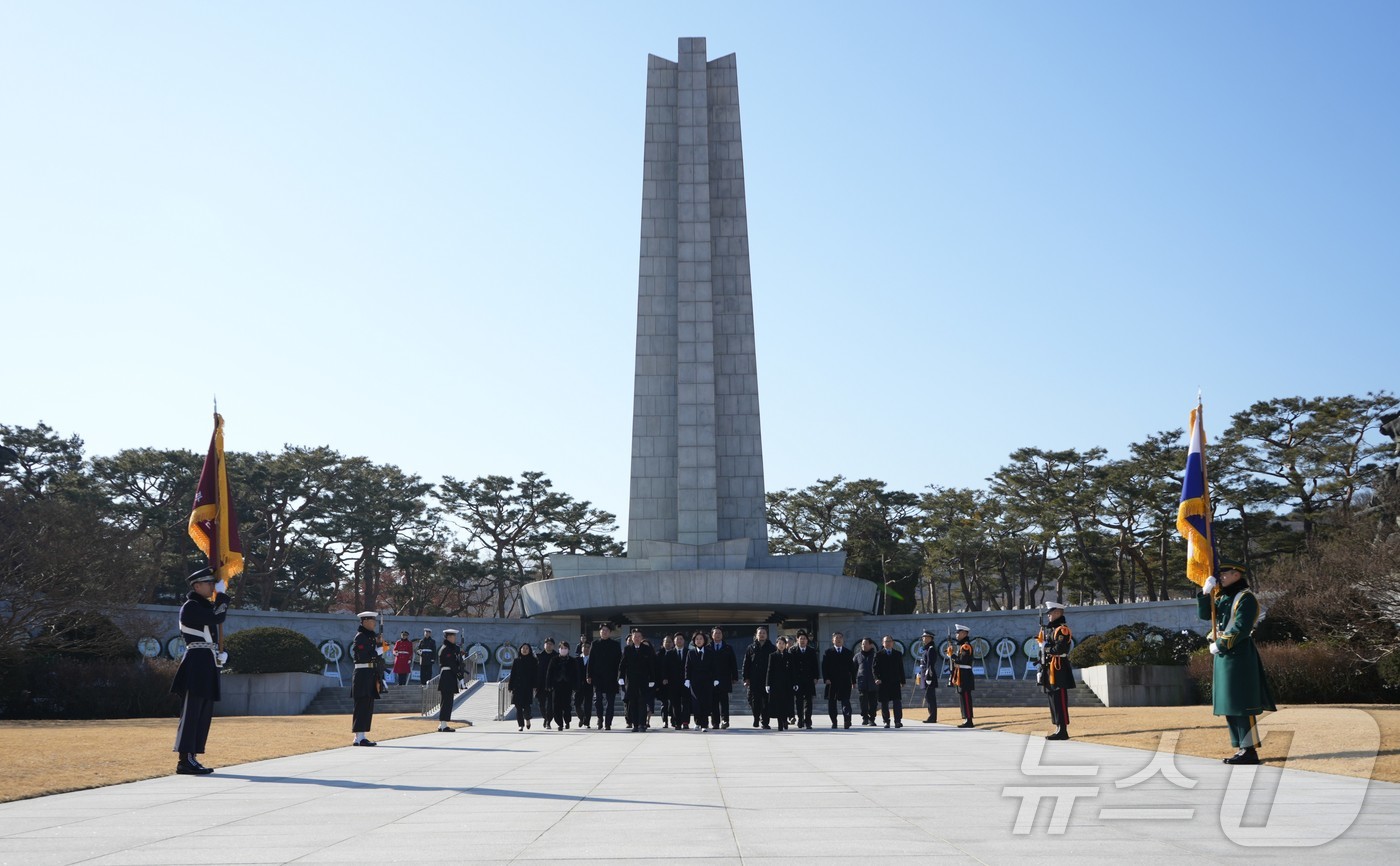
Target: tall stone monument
697,536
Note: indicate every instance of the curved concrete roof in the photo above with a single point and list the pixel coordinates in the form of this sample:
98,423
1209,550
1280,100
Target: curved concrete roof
763,589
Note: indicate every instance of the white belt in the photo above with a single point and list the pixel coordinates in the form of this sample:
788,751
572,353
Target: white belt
201,644
364,665
966,667
204,632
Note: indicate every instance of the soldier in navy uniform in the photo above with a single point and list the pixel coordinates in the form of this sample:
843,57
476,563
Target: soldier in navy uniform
929,665
427,655
726,670
450,660
756,675
806,670
839,674
1055,674
366,685
960,673
197,679
636,673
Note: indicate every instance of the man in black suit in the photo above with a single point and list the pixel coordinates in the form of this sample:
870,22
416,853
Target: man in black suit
637,674
806,670
889,681
839,674
756,675
726,670
603,661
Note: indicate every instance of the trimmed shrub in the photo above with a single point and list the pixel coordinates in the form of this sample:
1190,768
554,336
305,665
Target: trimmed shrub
1388,669
54,687
1136,644
1278,629
272,651
1306,673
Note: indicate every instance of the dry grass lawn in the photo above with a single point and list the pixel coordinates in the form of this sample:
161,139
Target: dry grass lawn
51,757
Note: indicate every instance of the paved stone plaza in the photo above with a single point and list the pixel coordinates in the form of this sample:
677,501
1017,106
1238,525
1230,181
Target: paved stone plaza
918,795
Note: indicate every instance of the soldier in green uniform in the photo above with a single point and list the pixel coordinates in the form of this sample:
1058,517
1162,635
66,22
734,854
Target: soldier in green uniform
1239,688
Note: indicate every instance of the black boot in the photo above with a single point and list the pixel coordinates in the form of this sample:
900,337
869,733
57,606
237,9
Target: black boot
1061,734
1247,756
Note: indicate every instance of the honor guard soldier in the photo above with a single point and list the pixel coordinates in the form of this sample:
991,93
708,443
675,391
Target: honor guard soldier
929,664
197,678
756,675
366,685
839,674
1239,689
427,656
603,662
1055,675
960,673
450,680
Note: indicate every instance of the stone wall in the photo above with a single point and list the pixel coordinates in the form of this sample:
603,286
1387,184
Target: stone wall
163,624
1015,624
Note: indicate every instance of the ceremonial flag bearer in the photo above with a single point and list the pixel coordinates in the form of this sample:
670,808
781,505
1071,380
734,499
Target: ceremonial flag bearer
197,678
1239,689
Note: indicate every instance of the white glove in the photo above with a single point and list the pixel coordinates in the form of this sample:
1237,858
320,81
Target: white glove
619,681
716,682
768,689
1211,585
1039,645
687,683
794,688
222,658
651,685
1214,650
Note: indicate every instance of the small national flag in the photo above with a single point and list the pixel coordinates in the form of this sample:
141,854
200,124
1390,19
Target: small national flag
1193,515
214,521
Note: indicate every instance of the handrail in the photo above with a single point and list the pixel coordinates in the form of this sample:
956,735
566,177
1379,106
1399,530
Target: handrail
432,698
502,696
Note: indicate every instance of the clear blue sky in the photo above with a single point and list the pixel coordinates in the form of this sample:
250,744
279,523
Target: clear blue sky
409,231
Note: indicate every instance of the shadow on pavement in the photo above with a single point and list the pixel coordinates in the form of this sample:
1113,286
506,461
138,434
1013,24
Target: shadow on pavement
481,792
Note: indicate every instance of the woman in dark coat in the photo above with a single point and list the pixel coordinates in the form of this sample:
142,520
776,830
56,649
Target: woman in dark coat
543,684
522,684
564,678
699,679
781,684
865,682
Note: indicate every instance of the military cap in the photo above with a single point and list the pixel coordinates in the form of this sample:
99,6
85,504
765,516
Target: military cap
368,614
961,628
1233,565
205,574
449,631
928,633
1054,605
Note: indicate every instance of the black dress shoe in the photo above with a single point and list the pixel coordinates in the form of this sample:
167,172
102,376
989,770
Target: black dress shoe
930,721
1245,757
725,724
184,768
965,725
899,724
446,731
1059,735
366,743
887,725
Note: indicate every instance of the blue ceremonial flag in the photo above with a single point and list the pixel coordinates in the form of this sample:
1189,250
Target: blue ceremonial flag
1193,515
